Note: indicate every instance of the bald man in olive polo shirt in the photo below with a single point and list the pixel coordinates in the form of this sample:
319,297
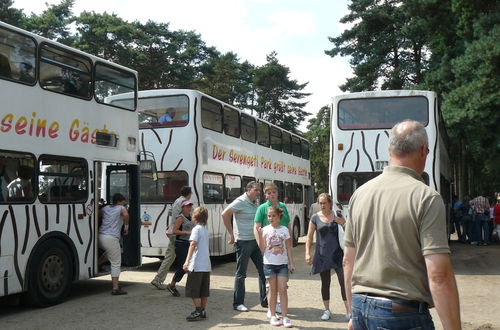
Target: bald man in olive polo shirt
396,256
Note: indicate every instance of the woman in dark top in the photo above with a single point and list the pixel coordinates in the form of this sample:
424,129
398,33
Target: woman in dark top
182,230
328,253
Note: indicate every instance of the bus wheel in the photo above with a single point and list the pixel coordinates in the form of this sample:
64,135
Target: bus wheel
50,274
295,232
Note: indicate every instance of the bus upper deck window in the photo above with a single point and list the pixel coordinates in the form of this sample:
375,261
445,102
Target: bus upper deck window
17,57
163,111
111,81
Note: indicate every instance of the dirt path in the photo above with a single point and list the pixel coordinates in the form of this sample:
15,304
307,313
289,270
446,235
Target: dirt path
90,306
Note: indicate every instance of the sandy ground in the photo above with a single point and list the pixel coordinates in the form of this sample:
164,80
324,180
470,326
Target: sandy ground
90,305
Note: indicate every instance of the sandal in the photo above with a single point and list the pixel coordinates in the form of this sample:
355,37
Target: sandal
118,292
173,290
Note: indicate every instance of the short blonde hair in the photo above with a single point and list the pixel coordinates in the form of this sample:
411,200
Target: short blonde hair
201,215
270,186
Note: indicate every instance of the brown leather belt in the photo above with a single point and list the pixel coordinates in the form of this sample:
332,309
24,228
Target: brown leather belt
402,305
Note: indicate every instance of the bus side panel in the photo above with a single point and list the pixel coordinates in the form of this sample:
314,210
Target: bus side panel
23,225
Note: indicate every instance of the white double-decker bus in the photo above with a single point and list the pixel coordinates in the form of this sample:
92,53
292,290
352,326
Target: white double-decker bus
359,139
196,140
58,133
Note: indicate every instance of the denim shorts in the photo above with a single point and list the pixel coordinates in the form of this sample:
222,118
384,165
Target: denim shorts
275,270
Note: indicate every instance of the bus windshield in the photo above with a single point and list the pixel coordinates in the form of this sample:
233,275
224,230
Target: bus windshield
382,112
164,111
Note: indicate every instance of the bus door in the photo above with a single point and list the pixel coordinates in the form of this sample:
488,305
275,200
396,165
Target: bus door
124,179
308,200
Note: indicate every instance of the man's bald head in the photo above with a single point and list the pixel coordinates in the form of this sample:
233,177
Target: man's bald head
407,137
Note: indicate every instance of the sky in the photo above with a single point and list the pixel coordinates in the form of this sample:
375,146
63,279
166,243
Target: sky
297,30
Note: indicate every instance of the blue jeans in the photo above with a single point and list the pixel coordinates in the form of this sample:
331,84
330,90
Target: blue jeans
482,228
369,313
246,250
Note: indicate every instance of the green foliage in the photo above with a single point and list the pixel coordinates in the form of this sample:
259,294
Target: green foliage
172,59
279,97
10,15
318,134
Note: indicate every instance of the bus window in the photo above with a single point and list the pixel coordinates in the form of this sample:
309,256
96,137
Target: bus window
305,149
231,122
276,138
17,177
287,143
165,189
17,57
247,128
246,180
233,187
298,196
281,190
262,133
65,72
349,182
288,193
213,188
163,111
111,81
381,112
62,179
211,114
296,146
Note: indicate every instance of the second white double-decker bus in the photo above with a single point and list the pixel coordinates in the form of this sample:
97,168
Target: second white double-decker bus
61,144
360,130
196,140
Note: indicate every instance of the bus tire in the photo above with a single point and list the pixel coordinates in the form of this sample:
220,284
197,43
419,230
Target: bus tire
50,274
295,232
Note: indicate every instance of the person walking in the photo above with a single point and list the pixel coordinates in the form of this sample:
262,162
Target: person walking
396,254
243,208
169,258
328,253
182,230
113,217
480,214
496,216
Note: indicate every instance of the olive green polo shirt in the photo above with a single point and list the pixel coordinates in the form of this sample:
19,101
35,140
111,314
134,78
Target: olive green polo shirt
395,220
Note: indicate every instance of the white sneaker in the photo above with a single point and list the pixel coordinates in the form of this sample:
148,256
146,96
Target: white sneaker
286,322
275,322
326,315
241,308
268,314
278,308
347,316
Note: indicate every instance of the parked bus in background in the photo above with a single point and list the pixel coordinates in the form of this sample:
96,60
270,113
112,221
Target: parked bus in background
359,139
192,139
57,134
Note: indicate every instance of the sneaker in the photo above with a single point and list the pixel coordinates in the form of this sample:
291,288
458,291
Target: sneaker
473,243
158,284
268,314
274,321
194,316
347,316
326,315
241,308
173,290
286,322
203,314
278,308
